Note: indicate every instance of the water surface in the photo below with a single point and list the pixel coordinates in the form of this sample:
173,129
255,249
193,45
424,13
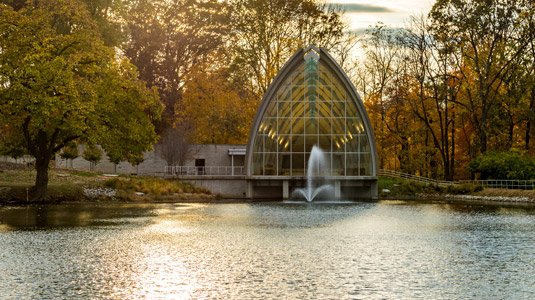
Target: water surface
384,250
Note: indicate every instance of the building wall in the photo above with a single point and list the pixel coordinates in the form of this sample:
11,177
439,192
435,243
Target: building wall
214,155
26,159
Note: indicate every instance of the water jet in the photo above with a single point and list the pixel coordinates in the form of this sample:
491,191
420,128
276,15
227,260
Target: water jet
316,167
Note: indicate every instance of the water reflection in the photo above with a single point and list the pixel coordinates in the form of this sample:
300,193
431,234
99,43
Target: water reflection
271,251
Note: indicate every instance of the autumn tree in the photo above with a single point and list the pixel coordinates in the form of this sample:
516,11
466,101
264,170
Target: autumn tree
266,33
490,42
167,39
433,87
377,75
59,83
218,113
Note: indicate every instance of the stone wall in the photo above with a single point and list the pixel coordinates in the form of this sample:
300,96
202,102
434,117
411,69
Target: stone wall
234,187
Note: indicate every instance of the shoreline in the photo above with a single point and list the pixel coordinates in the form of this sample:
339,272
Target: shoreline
77,187
427,198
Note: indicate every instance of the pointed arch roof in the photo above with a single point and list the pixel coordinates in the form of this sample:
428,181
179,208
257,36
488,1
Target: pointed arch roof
295,61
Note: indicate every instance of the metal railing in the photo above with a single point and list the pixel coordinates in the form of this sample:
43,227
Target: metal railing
410,177
504,184
205,171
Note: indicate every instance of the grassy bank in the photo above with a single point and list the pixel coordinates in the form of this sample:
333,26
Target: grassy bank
70,185
393,187
390,188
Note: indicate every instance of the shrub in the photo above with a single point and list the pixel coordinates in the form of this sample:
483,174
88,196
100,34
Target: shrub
465,188
153,186
513,165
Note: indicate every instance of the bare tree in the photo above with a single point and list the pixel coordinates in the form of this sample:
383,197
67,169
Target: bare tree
174,147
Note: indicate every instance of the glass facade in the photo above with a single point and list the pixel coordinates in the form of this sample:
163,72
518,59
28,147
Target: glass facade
310,108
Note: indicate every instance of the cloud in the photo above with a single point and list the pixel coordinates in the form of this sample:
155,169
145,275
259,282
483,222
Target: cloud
364,8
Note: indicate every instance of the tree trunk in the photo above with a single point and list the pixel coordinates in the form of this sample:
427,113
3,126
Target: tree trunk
483,141
39,193
452,159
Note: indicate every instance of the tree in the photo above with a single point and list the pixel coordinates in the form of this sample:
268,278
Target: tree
70,151
433,87
59,83
382,63
93,155
167,39
215,110
266,33
174,147
490,41
115,158
512,165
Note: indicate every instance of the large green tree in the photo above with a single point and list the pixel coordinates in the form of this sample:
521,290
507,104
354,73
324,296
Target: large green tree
60,83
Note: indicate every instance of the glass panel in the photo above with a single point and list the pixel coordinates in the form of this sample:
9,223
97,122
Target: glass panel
298,164
338,126
272,109
286,145
298,143
298,109
338,143
352,168
257,164
325,143
351,110
311,90
270,144
284,93
324,125
354,126
298,126
324,109
270,163
259,143
298,78
270,126
338,164
364,145
324,76
311,125
339,93
285,109
365,165
338,109
352,143
310,142
298,93
324,93
284,125
284,164
312,109
280,143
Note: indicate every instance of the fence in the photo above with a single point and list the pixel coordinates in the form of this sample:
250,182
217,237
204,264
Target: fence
201,171
410,177
493,183
504,184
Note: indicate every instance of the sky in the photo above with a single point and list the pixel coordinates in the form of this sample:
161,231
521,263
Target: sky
395,13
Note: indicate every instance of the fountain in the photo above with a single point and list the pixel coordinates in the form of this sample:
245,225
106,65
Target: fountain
316,163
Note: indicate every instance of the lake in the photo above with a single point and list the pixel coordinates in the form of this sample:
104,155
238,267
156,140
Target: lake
368,250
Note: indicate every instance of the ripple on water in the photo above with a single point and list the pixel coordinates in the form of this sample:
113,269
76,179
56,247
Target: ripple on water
267,251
